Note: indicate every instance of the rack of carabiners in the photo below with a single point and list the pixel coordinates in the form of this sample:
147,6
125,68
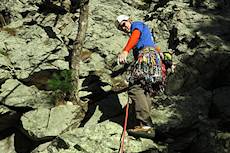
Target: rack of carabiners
147,67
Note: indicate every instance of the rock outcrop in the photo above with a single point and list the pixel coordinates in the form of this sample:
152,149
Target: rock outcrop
36,41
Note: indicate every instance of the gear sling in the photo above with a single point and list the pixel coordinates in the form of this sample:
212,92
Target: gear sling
150,69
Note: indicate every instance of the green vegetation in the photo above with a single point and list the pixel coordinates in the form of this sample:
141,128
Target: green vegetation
61,86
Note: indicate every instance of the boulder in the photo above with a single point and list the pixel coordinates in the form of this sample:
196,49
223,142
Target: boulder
7,144
15,94
45,124
104,137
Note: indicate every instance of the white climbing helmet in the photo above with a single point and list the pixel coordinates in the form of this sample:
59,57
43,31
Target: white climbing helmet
119,19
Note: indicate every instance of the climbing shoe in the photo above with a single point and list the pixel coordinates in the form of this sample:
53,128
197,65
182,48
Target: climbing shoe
142,131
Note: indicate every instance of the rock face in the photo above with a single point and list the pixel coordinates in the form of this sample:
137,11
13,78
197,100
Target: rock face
105,138
44,123
15,94
36,40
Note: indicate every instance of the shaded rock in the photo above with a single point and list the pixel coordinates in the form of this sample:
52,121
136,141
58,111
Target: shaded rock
7,117
23,143
66,4
185,29
221,107
15,94
200,70
105,138
111,107
44,123
212,141
221,98
178,119
177,115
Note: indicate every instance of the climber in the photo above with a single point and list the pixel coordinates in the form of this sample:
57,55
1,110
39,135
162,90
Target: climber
145,76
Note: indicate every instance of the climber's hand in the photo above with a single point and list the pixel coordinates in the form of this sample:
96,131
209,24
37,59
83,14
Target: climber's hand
122,57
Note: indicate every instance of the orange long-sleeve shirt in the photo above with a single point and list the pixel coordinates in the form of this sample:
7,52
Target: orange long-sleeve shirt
133,40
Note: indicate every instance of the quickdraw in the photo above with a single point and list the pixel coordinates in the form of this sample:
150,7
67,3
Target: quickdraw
149,68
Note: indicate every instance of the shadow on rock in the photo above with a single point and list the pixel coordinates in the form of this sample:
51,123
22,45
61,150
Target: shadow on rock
105,105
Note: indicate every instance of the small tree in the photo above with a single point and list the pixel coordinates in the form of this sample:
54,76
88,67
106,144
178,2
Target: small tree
61,86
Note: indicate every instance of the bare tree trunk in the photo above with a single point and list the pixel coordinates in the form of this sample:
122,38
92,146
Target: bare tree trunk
77,47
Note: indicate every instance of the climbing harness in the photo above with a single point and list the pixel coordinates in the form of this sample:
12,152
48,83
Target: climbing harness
149,68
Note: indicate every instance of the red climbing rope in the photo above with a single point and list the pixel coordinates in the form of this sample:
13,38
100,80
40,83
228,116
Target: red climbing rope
126,119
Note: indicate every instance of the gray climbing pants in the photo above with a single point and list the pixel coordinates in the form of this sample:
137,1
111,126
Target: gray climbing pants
142,102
